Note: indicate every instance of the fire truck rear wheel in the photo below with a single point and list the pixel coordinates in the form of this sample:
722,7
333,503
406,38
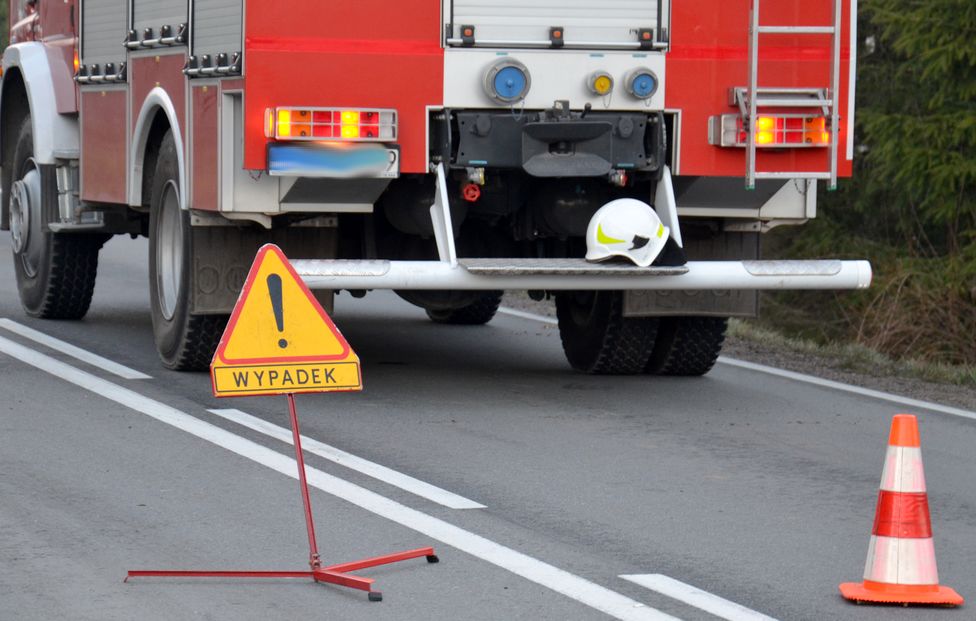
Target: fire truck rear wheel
55,271
185,341
598,339
687,345
475,314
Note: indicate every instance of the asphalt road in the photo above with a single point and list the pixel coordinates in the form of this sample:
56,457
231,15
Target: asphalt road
538,487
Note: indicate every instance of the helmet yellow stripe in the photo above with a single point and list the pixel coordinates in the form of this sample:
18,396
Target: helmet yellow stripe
603,238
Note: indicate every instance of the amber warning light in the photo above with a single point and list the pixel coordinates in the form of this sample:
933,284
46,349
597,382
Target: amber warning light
771,131
352,124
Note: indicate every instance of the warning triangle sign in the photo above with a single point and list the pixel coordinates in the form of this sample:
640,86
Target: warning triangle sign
279,340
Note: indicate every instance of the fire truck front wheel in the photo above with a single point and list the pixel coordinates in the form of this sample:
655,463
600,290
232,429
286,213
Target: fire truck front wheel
598,339
185,341
55,271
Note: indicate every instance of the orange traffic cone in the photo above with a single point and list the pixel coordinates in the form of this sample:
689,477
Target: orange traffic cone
901,568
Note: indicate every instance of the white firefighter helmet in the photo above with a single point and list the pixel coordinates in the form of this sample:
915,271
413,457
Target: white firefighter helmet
627,228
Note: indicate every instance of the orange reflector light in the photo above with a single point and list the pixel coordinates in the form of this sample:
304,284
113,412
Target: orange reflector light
77,61
283,129
771,131
331,123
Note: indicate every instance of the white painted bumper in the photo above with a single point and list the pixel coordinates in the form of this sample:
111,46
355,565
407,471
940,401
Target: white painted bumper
576,274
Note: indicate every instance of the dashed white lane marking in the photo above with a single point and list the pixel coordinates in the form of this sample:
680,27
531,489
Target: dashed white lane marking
70,350
333,454
703,600
572,586
801,377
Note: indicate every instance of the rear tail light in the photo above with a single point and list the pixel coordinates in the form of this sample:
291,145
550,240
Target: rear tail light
771,131
351,124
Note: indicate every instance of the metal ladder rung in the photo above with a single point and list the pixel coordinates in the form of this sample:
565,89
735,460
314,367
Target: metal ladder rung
796,30
792,175
773,90
794,103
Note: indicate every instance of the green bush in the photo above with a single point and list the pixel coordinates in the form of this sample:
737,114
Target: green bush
911,206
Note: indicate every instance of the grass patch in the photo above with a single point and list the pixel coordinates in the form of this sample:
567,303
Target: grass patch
854,357
920,309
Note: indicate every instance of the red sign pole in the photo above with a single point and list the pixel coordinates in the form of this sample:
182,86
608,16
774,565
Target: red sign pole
333,574
313,551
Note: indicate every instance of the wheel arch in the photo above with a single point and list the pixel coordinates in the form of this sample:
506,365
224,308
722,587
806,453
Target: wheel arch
28,87
156,115
26,65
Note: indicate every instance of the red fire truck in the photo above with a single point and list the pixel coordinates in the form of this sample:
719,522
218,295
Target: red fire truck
445,149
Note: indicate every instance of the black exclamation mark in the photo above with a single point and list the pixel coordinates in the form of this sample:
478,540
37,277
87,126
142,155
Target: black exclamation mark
274,289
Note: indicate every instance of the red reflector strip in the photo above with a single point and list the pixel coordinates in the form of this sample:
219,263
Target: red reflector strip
902,514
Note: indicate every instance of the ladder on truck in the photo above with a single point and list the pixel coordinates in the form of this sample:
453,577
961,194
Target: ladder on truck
754,97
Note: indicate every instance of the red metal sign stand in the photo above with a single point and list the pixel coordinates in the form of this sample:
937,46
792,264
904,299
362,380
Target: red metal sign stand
333,574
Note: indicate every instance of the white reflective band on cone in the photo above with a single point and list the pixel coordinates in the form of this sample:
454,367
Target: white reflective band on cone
901,561
903,471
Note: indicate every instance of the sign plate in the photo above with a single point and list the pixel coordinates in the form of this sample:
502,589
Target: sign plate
279,340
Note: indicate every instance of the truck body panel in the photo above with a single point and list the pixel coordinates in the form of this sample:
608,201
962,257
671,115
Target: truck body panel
416,144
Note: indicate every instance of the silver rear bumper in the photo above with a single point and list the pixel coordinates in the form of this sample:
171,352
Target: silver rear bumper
577,274
454,273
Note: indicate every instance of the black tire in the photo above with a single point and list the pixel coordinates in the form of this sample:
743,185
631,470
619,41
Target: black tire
478,313
598,339
55,271
185,342
687,345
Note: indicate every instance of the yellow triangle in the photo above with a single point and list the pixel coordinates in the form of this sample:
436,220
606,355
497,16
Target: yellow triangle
278,326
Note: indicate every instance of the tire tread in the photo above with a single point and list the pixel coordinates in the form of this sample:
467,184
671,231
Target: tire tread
196,351
478,313
625,346
688,346
71,282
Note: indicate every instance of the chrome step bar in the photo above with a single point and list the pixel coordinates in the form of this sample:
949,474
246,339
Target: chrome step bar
577,274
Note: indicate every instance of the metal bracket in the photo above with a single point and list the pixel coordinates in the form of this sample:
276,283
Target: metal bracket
440,216
666,206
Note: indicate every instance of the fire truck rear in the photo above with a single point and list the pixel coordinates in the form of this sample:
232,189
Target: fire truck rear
445,149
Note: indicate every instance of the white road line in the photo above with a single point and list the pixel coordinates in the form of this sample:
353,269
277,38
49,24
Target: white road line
333,454
525,315
800,377
703,600
70,350
532,569
857,390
